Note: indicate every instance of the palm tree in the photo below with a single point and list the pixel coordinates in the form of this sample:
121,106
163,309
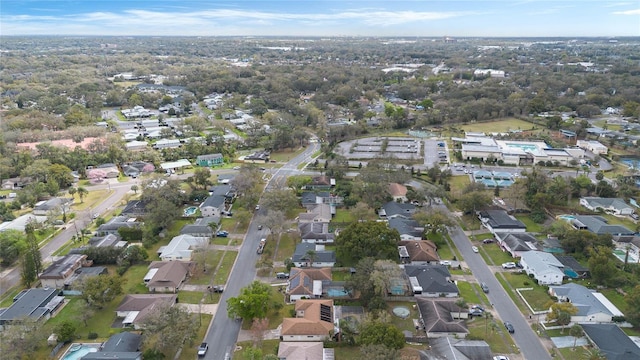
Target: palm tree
311,257
576,332
81,193
72,192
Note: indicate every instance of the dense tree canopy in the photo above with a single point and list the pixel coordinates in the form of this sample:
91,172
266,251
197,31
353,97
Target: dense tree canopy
367,239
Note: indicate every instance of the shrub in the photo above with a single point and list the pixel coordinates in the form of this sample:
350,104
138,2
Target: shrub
92,336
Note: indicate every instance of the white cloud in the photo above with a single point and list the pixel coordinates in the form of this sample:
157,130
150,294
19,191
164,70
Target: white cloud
627,12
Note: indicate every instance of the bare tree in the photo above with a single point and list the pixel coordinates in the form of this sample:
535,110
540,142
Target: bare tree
258,329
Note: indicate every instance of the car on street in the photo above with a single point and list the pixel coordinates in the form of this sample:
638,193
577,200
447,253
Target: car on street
635,216
509,327
222,233
257,207
260,227
509,265
236,168
202,349
475,249
484,288
500,357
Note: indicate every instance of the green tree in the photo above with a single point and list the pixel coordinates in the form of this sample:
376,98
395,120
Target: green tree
473,201
72,191
633,306
367,239
22,339
283,200
561,312
97,291
434,221
66,331
202,177
169,328
61,175
134,188
12,245
32,259
254,302
602,264
378,352
378,333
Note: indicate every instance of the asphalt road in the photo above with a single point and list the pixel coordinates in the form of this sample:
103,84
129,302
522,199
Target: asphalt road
223,331
527,341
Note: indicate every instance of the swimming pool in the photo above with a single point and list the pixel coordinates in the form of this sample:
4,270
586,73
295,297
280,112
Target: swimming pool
621,254
337,293
190,210
566,217
82,351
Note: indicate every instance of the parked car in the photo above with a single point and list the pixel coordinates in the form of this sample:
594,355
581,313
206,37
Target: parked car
487,241
282,275
477,307
222,233
257,207
635,216
475,312
509,265
475,249
202,349
500,357
509,327
445,262
218,288
484,288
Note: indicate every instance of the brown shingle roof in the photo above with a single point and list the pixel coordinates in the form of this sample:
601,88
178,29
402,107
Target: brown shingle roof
170,273
421,250
396,189
301,280
310,324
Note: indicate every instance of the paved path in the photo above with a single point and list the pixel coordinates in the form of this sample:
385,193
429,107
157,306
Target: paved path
195,308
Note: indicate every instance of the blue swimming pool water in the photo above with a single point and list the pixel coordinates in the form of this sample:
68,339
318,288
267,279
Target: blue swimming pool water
566,217
337,293
631,162
78,354
190,211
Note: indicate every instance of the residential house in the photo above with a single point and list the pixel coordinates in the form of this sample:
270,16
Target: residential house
409,229
599,225
71,285
322,197
418,252
36,304
459,349
313,321
136,145
167,276
316,233
181,247
166,143
443,318
313,255
398,192
593,307
611,341
322,182
500,221
52,206
431,280
210,160
215,204
120,346
135,307
307,283
289,350
322,213
135,208
107,241
516,244
16,183
572,268
57,274
225,178
393,209
115,223
615,206
544,267
111,170
200,228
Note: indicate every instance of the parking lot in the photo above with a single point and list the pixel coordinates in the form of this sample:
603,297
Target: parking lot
435,153
404,148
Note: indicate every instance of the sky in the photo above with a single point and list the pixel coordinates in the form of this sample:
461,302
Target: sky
455,18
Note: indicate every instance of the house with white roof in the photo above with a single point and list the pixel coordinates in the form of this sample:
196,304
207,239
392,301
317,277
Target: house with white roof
594,146
615,206
544,267
593,307
181,247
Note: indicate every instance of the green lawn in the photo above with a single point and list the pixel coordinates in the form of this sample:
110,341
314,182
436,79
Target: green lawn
458,183
616,298
531,225
93,198
221,241
190,297
538,298
174,229
490,330
134,277
493,255
469,292
281,311
343,216
267,347
190,352
498,126
285,155
222,274
100,323
340,275
512,294
403,324
286,247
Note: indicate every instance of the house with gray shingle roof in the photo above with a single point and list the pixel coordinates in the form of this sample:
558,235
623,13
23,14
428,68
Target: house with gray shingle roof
431,280
615,206
393,209
409,229
443,318
544,267
316,232
459,349
599,225
612,341
516,243
312,255
593,307
37,304
500,221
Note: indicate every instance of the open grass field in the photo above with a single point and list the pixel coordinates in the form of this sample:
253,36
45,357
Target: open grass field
287,246
531,225
285,155
458,183
470,292
93,198
213,259
505,125
490,330
343,216
538,298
